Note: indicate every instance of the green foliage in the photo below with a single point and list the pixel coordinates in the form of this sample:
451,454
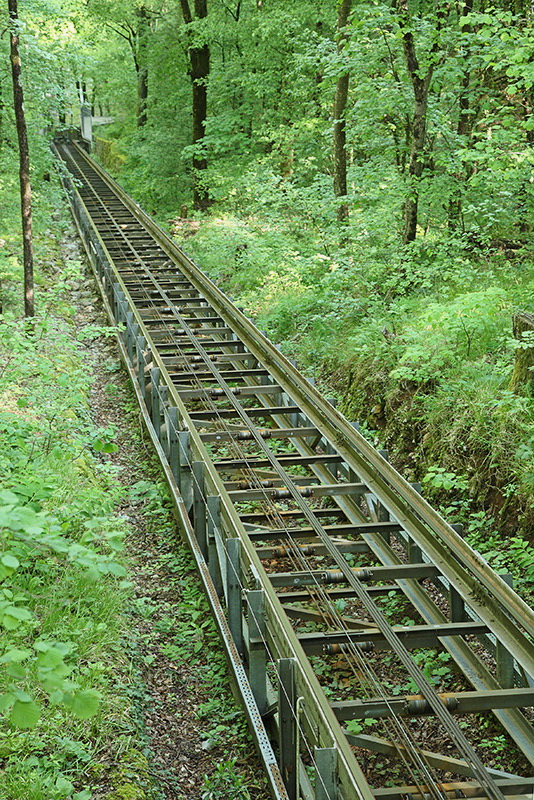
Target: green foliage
434,666
60,580
440,479
225,782
356,726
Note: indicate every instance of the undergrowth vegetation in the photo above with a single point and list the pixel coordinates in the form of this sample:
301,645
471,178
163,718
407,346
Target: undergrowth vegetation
416,342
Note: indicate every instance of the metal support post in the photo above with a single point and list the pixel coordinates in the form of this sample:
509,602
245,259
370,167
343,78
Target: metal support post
121,309
415,554
287,724
199,507
164,401
141,364
233,600
329,449
382,514
185,481
131,333
155,400
257,656
213,508
127,332
504,659
326,773
115,301
456,605
172,437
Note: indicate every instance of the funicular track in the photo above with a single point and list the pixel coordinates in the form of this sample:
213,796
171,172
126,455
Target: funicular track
339,583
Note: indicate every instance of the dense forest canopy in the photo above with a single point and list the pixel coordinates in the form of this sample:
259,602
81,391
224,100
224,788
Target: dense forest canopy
436,114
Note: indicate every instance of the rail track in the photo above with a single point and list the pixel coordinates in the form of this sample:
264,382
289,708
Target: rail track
376,654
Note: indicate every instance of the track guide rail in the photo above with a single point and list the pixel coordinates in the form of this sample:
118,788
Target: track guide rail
322,556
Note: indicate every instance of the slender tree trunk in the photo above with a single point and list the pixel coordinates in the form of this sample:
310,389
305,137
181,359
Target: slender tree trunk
1,115
24,159
464,125
199,59
421,86
340,104
141,65
416,164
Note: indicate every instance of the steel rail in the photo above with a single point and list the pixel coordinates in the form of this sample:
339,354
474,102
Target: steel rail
418,524
320,719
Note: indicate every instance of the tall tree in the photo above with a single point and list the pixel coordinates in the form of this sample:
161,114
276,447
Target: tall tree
464,125
420,80
134,24
340,104
199,60
24,160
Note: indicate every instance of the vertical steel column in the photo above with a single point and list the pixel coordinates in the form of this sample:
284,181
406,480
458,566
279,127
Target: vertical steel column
155,404
172,436
115,300
382,514
141,364
505,661
185,475
164,401
233,583
257,656
128,333
329,449
132,329
415,554
213,510
199,507
326,773
456,605
287,726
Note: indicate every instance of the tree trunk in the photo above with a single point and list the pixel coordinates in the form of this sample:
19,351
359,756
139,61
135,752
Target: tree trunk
421,86
24,160
464,125
340,103
142,96
199,59
1,116
523,374
416,164
141,65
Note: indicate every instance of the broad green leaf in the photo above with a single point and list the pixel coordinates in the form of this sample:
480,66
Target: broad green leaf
116,569
63,785
55,697
22,696
50,658
25,715
18,612
10,561
85,703
6,700
16,671
15,655
110,447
